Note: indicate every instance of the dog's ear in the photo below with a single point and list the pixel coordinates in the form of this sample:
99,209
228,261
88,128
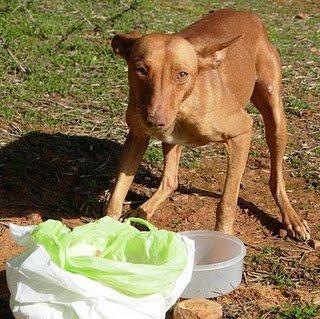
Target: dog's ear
122,43
210,57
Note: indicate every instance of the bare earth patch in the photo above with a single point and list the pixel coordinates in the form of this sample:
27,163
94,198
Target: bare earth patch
277,272
62,128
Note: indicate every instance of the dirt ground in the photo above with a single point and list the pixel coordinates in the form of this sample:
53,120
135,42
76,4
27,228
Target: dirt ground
62,128
278,272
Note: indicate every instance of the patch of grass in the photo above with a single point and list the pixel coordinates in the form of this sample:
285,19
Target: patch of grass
295,105
252,109
269,265
277,267
191,157
254,153
75,83
153,154
6,112
306,165
267,254
296,312
279,276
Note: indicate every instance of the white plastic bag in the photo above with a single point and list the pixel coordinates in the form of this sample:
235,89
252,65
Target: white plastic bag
42,290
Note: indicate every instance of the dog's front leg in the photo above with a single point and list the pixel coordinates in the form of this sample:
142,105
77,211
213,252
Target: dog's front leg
169,182
133,151
238,149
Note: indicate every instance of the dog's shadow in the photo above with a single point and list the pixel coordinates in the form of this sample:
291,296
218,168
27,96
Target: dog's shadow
266,220
66,176
59,175
5,311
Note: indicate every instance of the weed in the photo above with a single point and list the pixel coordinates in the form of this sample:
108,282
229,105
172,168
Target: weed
254,153
267,254
296,312
279,276
153,155
190,157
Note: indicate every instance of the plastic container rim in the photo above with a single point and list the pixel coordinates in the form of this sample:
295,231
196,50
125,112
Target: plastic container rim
223,264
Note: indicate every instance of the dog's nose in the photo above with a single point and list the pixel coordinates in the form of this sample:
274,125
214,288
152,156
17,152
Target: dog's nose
156,120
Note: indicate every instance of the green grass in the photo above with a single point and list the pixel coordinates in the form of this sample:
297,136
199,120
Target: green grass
266,254
277,274
153,154
83,70
75,84
283,274
83,65
297,312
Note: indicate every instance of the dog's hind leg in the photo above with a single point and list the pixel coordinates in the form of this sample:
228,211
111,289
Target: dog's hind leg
267,98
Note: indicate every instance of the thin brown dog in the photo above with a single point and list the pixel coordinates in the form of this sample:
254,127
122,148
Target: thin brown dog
191,88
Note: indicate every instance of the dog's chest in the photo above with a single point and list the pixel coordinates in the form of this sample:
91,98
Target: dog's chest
193,134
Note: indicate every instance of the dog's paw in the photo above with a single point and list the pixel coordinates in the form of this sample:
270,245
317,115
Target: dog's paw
137,212
296,228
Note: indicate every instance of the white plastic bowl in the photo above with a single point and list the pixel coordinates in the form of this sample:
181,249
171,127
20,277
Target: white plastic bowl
218,264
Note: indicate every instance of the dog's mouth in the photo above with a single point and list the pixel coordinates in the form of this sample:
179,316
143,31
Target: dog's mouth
156,127
158,131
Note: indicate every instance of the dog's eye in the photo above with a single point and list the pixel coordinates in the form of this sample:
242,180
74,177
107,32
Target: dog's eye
142,71
182,75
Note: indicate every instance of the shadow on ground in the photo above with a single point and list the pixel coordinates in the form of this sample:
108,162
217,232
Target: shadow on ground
58,175
269,222
64,176
5,312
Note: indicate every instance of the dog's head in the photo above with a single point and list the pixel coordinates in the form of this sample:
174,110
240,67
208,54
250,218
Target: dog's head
162,72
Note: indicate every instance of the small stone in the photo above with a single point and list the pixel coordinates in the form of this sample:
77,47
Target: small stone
302,16
179,197
316,301
283,233
315,244
315,51
198,309
34,218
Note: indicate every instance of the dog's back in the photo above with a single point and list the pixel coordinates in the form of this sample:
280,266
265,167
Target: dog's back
223,25
240,63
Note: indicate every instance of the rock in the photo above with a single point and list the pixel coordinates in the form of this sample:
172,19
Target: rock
198,309
315,51
302,16
315,244
179,197
282,233
34,218
316,301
